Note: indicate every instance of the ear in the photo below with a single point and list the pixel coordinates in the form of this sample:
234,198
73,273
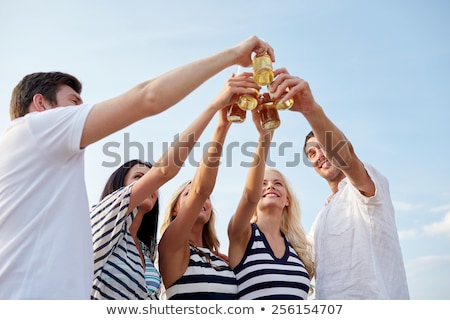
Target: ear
287,202
38,103
173,215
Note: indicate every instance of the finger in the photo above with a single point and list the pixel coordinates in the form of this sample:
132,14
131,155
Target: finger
271,53
279,71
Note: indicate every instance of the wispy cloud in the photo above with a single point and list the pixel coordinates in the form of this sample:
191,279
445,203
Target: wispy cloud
427,262
430,230
405,206
438,228
441,208
428,277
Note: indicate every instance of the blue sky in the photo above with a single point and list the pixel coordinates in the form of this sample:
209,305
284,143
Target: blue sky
380,69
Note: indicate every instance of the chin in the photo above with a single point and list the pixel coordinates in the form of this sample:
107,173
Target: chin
147,206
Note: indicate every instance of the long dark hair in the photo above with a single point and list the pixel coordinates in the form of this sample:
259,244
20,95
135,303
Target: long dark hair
149,226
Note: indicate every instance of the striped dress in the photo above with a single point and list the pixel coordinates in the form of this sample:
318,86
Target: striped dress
262,276
207,277
118,271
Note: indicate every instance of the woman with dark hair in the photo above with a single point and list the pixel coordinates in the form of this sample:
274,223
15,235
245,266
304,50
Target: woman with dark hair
148,229
144,226
124,222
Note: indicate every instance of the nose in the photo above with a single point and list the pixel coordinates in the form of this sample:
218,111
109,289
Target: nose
318,156
270,185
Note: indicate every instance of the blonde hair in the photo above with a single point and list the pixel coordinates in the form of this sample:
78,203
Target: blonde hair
292,228
209,235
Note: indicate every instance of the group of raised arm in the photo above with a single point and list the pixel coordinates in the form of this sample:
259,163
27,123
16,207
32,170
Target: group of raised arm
110,251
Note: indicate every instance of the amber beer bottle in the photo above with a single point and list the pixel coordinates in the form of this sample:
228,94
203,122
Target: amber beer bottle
268,114
248,102
236,114
285,105
281,106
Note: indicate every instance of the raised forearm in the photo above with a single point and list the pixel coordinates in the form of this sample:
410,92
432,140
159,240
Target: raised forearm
166,90
173,159
255,176
206,175
334,143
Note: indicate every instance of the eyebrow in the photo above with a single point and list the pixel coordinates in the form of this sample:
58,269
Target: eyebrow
274,180
76,96
313,145
141,172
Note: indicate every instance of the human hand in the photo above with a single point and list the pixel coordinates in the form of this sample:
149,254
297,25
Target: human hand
263,134
251,45
257,121
234,87
223,119
256,114
298,89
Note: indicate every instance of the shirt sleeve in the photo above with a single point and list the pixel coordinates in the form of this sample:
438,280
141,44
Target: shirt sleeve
58,131
110,221
381,184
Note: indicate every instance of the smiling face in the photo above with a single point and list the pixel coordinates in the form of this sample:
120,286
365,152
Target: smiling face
320,163
273,192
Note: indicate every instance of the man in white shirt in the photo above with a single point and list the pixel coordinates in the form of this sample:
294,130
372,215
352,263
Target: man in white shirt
45,232
356,244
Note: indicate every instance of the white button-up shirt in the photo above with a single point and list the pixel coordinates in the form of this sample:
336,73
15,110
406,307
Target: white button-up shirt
357,250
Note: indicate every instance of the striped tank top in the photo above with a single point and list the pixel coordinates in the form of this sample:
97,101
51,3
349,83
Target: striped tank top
118,272
262,276
207,277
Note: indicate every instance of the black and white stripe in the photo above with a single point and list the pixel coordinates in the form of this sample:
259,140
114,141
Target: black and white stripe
118,272
261,275
207,277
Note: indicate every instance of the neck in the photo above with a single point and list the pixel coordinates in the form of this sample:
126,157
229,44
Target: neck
196,236
270,224
334,184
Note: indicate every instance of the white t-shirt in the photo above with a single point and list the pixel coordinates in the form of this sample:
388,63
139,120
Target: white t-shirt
45,230
357,250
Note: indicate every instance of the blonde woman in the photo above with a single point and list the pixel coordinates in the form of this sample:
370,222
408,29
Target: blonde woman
189,259
268,250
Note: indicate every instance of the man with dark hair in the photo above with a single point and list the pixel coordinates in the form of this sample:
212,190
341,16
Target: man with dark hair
45,231
356,244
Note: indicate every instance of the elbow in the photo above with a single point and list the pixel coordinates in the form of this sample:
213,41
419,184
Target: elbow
152,103
148,99
168,173
202,190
